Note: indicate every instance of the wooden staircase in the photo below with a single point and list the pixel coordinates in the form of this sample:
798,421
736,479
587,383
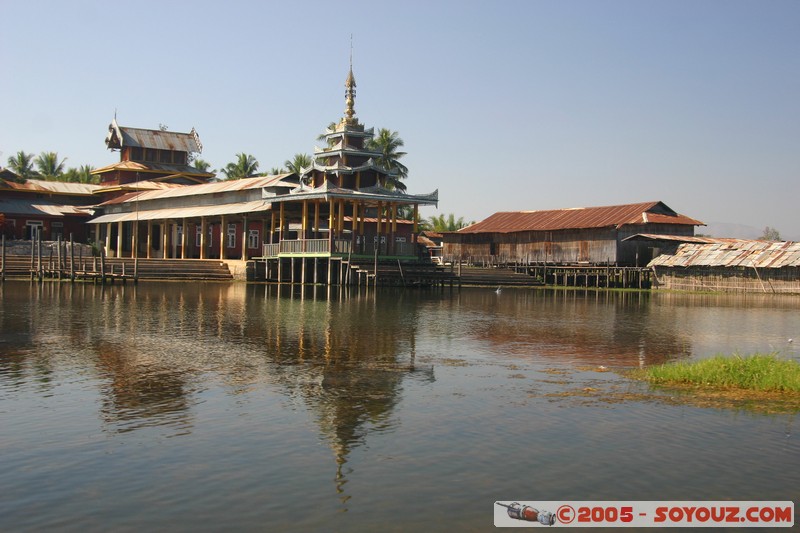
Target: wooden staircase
496,277
18,266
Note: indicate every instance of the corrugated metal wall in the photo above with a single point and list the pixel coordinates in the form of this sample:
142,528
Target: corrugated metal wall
723,279
595,246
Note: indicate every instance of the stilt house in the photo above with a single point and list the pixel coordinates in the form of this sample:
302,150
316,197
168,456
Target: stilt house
586,235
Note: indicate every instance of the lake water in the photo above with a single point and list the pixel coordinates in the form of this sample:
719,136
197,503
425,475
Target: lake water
203,407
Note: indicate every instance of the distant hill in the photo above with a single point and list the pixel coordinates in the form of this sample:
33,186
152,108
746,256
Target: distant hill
737,231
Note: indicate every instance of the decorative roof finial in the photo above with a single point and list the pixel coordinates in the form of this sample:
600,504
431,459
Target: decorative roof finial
350,91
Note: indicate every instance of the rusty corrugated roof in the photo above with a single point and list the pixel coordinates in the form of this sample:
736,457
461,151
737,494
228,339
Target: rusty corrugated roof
202,189
122,136
185,212
148,166
54,187
676,238
759,254
21,207
580,218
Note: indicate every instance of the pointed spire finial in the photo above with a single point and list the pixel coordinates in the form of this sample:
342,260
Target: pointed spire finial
350,91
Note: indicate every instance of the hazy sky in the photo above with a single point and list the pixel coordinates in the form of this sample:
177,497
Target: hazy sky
503,105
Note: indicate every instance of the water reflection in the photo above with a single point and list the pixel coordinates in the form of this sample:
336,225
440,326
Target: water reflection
342,355
155,359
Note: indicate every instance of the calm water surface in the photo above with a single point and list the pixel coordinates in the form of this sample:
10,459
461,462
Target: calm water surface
202,407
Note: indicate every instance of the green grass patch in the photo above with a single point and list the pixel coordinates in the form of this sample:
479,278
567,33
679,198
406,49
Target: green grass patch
758,372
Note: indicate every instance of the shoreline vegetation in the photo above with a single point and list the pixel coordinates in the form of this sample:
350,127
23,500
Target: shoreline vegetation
757,372
758,383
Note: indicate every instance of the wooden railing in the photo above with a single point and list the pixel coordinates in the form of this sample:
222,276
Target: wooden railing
340,247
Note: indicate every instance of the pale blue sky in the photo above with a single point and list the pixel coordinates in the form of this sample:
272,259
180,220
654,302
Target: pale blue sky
503,105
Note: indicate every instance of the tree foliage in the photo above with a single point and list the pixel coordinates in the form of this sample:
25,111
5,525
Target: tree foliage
299,162
245,166
447,223
49,166
21,164
770,234
82,174
202,165
388,142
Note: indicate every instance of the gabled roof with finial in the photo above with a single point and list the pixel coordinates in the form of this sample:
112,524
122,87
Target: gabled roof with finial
123,136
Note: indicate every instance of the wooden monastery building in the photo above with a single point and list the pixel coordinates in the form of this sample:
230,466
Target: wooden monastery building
590,235
51,209
343,205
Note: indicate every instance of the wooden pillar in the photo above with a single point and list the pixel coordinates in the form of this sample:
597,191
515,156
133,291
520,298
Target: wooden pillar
135,240
271,226
165,239
340,219
304,221
393,230
354,225
317,205
244,237
203,235
281,235
119,239
416,216
184,237
108,238
358,180
222,235
149,238
380,220
332,207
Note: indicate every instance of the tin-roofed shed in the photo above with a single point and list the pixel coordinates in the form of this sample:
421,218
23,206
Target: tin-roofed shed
730,266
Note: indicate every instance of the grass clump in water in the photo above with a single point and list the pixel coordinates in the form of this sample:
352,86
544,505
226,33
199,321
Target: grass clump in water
758,372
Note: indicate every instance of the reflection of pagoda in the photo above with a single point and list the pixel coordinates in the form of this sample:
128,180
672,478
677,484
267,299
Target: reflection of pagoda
351,379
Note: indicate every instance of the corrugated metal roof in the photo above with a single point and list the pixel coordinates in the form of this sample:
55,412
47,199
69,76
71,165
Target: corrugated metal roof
184,212
122,136
674,238
759,254
204,188
20,206
149,166
580,218
54,187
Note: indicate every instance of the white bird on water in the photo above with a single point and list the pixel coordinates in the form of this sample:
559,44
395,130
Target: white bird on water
499,290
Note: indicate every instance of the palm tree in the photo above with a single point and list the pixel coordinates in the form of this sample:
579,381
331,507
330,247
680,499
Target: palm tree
22,165
274,171
83,174
297,164
322,136
202,165
449,223
49,166
387,142
245,166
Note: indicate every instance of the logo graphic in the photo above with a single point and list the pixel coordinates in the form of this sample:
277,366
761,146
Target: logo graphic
528,513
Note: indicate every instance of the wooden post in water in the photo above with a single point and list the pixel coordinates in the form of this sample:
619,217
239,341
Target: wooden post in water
58,257
71,258
39,249
3,263
33,263
378,243
102,267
